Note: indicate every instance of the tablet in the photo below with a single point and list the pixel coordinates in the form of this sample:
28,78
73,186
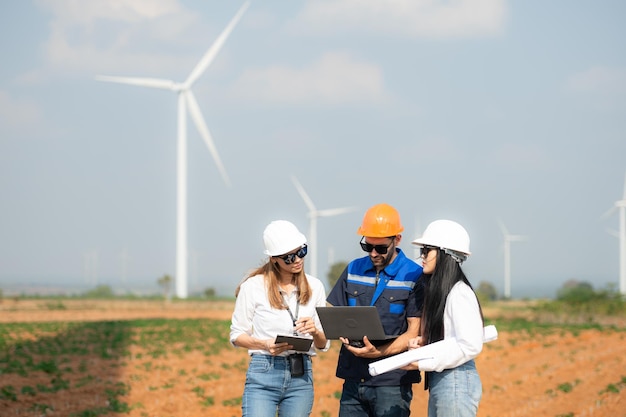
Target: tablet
299,343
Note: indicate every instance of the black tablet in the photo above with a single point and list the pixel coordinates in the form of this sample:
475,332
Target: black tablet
299,343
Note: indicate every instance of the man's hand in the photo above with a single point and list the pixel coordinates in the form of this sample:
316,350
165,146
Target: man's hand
367,351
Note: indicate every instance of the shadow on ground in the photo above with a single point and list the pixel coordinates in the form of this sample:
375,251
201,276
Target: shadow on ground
76,369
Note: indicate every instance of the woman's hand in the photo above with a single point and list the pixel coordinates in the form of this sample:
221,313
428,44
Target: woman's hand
276,348
306,325
413,366
415,343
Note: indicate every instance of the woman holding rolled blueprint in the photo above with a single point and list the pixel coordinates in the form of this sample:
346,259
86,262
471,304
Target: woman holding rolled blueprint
451,312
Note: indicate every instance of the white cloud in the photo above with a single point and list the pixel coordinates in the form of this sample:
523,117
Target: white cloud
84,13
414,18
335,78
600,80
111,36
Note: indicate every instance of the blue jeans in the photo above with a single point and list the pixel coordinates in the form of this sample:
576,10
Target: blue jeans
358,400
454,392
270,388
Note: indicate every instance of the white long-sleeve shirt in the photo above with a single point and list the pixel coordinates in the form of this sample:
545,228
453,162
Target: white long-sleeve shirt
253,314
462,322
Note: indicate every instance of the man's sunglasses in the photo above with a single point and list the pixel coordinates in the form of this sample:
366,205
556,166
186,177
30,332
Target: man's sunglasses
290,258
380,249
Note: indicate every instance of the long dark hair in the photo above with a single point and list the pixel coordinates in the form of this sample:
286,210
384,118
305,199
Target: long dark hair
437,286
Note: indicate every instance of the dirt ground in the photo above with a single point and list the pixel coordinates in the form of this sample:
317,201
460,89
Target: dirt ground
558,375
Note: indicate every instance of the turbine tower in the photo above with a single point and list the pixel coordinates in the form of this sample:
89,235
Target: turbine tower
186,102
313,214
508,238
621,206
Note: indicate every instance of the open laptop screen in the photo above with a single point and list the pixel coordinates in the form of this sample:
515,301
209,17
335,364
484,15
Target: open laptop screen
352,323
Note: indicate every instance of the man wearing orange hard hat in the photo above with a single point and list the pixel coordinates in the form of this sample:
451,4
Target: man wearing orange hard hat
388,280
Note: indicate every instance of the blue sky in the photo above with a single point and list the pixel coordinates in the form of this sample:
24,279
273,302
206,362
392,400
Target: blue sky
469,110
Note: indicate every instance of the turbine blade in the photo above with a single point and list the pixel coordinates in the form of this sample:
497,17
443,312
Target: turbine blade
335,211
613,233
505,232
303,194
608,212
624,196
212,52
142,82
196,116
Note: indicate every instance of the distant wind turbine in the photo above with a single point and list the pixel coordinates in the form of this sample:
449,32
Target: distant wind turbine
621,205
186,102
313,214
90,259
508,238
124,259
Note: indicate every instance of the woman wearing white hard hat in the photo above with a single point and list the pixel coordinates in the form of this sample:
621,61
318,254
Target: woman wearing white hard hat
278,298
451,311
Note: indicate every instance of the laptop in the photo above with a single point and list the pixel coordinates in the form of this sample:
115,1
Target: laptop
353,323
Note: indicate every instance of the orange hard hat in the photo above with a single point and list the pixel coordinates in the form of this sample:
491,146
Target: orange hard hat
381,220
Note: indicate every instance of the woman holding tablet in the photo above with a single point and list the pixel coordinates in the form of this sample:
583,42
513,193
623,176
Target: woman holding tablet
279,299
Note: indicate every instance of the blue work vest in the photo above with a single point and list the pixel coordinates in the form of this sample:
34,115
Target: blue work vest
396,293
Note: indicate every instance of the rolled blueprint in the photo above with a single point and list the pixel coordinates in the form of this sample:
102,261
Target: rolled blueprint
425,352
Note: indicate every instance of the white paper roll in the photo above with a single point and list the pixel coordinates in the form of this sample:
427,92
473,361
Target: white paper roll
490,333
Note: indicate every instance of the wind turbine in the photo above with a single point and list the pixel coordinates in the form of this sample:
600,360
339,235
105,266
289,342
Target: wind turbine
313,214
508,238
621,205
186,102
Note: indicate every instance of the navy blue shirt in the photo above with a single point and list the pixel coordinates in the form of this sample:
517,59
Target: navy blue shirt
396,297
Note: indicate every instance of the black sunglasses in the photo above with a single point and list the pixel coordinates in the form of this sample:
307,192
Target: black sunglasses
290,258
425,249
380,249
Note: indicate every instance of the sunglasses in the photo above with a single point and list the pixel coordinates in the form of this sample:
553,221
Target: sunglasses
425,249
380,249
291,257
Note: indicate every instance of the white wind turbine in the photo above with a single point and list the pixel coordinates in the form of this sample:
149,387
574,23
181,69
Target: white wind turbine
508,238
313,214
621,205
186,102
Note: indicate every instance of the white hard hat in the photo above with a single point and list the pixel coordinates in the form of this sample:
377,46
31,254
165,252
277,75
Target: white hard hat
281,236
445,234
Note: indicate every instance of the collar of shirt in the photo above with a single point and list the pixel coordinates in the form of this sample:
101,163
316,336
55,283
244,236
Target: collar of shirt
393,268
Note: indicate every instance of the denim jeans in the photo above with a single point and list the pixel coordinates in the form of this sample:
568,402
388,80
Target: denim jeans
358,400
454,392
270,388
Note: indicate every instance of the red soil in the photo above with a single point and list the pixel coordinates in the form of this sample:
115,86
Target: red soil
554,375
